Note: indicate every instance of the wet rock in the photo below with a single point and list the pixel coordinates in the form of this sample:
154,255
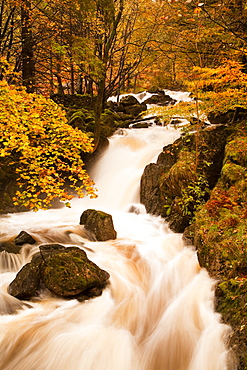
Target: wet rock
160,99
66,272
9,247
136,109
71,273
169,156
128,107
128,100
49,250
24,238
99,223
149,191
27,281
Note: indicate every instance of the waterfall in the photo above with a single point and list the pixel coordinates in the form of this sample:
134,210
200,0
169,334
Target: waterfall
157,313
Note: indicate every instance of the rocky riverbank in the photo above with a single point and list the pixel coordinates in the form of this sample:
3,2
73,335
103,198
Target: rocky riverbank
199,186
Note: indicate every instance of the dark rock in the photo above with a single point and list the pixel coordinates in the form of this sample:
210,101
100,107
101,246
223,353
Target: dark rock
149,191
144,122
90,293
27,282
229,117
189,235
49,250
223,118
155,90
128,100
178,221
212,141
99,223
24,238
169,156
175,121
66,272
140,125
111,105
159,99
135,110
70,273
9,247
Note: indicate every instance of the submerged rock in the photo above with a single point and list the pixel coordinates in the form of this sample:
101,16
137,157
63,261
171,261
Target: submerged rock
66,272
9,247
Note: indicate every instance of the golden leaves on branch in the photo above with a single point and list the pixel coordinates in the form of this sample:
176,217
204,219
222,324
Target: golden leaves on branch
45,150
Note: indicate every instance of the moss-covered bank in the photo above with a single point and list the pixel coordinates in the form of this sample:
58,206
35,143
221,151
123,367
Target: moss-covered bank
221,239
199,186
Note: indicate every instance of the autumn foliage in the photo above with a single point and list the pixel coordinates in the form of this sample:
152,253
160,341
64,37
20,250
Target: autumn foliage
45,151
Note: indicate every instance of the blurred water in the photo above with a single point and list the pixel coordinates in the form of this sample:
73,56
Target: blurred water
157,313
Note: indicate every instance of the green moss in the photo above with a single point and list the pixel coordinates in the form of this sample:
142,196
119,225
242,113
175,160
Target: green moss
234,299
232,304
221,241
232,172
70,273
236,150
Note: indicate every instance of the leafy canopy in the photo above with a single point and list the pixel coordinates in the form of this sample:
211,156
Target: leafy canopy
44,150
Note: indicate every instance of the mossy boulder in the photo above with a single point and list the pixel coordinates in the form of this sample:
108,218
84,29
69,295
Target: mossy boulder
71,273
99,223
66,272
82,119
128,100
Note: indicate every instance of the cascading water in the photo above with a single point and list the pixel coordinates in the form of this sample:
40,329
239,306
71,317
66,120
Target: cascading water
157,313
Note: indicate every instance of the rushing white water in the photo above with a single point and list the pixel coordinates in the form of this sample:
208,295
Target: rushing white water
157,313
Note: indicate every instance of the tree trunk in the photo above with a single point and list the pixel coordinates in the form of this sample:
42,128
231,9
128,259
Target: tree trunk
104,56
28,63
98,110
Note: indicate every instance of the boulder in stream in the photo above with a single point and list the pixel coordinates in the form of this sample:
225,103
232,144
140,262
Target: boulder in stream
99,223
66,272
24,238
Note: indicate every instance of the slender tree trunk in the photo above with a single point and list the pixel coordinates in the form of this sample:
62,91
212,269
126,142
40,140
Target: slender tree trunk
102,81
28,63
72,77
98,110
